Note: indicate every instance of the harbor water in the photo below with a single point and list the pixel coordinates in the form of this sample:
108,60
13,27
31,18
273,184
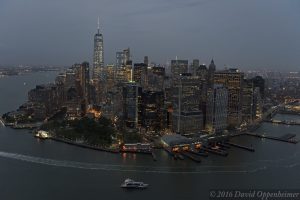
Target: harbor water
44,169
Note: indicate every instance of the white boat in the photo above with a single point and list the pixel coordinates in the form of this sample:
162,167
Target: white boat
42,134
129,183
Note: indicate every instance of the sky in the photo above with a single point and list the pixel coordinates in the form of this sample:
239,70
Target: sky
249,34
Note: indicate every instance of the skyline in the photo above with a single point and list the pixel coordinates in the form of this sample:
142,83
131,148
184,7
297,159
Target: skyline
265,32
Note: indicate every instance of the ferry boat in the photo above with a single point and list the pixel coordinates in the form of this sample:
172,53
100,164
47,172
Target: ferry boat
42,134
129,183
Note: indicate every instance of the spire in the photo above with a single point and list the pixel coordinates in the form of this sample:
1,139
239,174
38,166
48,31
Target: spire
98,27
212,61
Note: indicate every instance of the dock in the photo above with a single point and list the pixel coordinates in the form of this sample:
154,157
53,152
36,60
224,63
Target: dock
170,153
289,138
217,152
191,156
284,122
240,146
199,153
224,145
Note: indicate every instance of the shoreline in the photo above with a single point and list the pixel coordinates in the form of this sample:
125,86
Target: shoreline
84,145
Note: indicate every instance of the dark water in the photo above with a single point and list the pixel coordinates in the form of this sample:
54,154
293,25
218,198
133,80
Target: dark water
34,169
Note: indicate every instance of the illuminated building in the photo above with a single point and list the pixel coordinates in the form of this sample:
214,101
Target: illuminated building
194,66
232,79
187,116
139,73
155,80
123,58
132,104
152,110
178,67
146,60
216,112
211,74
98,61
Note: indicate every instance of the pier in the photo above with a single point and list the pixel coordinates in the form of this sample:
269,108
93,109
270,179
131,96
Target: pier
240,146
191,156
284,122
285,138
199,153
217,152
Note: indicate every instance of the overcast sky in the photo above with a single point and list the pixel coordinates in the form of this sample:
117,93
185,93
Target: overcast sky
239,33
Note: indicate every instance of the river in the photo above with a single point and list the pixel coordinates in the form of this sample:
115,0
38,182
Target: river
34,169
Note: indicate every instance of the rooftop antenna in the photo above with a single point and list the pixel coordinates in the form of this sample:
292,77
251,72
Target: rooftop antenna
98,28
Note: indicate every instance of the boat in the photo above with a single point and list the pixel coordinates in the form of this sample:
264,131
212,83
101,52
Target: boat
42,134
129,183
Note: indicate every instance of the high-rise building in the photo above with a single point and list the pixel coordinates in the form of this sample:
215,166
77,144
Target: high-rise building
211,74
153,110
216,111
259,82
232,79
201,71
187,116
194,66
98,63
110,80
251,101
85,80
146,60
155,80
132,105
178,67
120,59
139,73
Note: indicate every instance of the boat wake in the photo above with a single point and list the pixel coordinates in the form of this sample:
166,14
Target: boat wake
131,168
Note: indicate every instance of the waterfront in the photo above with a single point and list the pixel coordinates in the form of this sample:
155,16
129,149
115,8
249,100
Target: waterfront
36,169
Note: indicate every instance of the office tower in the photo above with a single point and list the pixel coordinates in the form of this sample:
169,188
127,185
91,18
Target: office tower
127,57
248,111
98,64
202,72
139,73
44,100
194,66
119,59
259,82
153,111
216,111
155,78
85,80
211,72
251,102
178,67
232,79
146,60
187,116
72,92
110,80
132,104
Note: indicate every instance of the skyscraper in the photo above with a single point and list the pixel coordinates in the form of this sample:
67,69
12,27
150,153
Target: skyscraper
132,105
211,74
232,79
98,65
216,112
187,116
178,67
